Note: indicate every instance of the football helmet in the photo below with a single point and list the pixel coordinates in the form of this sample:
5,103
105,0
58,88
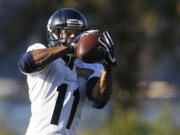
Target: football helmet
66,18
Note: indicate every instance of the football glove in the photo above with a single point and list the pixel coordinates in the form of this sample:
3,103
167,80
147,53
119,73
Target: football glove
108,48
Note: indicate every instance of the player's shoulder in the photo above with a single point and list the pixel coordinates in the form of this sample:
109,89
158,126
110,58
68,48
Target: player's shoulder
36,46
93,66
86,70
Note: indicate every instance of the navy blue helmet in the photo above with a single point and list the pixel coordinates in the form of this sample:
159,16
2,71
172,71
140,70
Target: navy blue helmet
66,18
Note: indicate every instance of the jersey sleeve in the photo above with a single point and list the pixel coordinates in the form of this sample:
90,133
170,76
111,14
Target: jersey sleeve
35,47
98,68
92,73
26,63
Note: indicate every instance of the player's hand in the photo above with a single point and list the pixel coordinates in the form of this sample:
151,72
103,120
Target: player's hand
72,47
108,48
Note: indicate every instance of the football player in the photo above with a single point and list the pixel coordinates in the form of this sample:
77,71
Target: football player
58,82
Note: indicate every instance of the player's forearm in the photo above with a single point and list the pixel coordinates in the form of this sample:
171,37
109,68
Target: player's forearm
103,89
43,57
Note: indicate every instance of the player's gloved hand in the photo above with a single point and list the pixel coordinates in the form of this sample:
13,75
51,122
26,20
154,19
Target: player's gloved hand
74,42
108,48
72,47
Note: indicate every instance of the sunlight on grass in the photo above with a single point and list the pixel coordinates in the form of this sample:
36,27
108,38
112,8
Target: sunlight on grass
129,122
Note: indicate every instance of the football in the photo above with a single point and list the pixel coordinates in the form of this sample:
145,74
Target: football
87,48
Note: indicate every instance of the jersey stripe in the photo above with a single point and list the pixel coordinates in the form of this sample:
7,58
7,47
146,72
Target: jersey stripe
58,107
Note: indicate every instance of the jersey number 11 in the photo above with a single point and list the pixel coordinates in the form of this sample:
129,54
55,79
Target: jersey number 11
59,104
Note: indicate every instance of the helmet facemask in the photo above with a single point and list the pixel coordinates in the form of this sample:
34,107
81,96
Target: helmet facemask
63,35
53,36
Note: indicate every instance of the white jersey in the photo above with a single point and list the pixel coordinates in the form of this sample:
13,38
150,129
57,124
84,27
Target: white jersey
57,94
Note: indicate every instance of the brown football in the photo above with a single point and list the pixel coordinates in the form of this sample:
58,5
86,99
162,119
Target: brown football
87,49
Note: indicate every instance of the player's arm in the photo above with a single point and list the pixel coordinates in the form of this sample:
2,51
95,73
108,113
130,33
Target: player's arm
100,89
43,57
103,88
37,59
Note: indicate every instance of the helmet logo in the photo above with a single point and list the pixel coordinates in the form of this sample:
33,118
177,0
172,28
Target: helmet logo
74,22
